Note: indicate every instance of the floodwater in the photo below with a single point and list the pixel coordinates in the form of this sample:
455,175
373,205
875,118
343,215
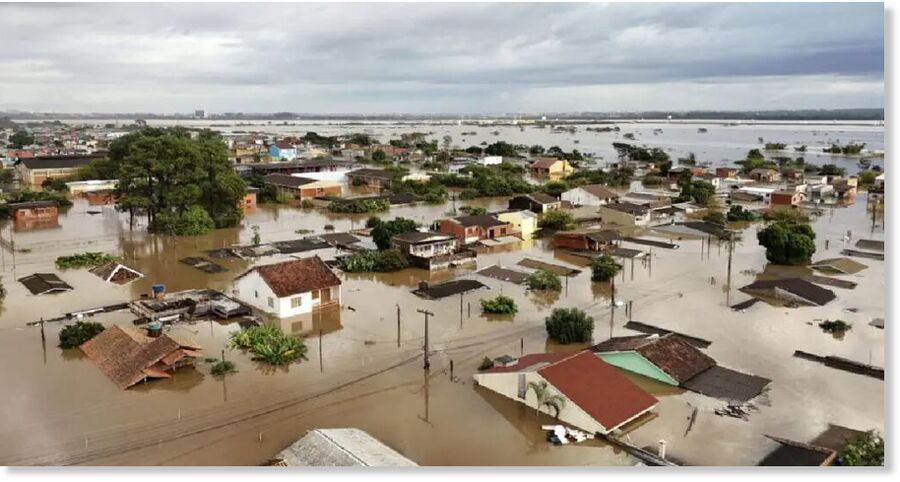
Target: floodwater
721,144
60,409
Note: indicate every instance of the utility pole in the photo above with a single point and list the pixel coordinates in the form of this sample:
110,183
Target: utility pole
398,325
321,365
427,313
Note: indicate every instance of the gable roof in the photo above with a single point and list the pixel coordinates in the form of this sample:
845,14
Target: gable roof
483,220
295,277
670,353
545,162
127,357
341,447
600,191
598,389
115,272
288,181
797,286
541,198
414,237
41,283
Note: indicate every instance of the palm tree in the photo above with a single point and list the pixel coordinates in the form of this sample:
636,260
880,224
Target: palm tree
545,398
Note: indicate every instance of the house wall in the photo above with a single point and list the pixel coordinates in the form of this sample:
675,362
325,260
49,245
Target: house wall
612,216
465,235
427,250
36,177
634,362
525,225
253,290
48,213
580,197
507,384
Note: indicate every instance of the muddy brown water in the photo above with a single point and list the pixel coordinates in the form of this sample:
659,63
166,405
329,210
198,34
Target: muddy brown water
59,409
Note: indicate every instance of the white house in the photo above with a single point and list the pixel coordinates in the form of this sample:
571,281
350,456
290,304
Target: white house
598,398
289,288
590,195
765,192
490,160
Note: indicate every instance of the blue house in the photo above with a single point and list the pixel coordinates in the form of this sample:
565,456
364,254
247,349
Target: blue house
283,150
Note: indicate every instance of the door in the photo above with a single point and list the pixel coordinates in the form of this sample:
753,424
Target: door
325,296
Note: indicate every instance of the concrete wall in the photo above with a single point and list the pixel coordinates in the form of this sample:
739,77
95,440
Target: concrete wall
253,290
580,197
507,384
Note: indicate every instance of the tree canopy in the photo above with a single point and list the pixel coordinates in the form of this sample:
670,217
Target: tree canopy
183,183
569,325
385,230
787,242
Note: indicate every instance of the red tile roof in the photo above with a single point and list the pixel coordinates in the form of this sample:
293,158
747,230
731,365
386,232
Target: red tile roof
295,277
599,389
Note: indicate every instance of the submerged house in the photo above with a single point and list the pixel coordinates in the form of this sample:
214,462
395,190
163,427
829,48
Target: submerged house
43,283
597,397
536,202
470,229
128,357
674,360
290,288
590,195
430,250
550,167
791,290
42,211
339,447
586,239
118,273
301,187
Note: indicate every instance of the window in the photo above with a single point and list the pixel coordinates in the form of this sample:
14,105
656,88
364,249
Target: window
296,302
315,294
523,387
256,294
271,302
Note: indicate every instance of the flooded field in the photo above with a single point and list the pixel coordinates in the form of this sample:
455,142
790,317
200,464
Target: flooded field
720,144
365,369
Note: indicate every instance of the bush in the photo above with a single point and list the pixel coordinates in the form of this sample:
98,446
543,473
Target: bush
835,326
270,345
652,181
604,268
501,305
194,221
865,450
716,217
357,206
788,242
738,213
544,280
307,204
556,220
384,231
473,210
373,221
222,367
75,335
486,364
370,261
569,325
83,260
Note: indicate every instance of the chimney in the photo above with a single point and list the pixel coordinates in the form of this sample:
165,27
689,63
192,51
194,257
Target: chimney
661,449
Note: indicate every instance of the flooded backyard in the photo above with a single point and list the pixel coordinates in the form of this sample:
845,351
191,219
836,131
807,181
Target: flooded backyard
365,367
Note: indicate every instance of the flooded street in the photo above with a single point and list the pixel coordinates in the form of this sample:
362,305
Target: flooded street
60,409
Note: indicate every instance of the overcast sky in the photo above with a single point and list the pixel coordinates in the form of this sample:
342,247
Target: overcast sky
452,58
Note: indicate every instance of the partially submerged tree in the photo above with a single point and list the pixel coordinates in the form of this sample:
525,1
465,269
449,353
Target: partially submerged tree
76,335
604,268
501,305
788,243
865,450
546,398
569,325
544,280
556,220
385,230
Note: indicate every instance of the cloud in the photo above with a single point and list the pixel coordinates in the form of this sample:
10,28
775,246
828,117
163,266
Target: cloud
438,57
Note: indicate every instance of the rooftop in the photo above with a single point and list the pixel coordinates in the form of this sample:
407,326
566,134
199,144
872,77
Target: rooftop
340,447
295,277
286,180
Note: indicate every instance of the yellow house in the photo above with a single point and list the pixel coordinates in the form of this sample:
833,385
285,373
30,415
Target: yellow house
523,221
551,167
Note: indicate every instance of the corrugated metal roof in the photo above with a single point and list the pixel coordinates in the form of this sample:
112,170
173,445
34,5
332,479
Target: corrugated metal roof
340,447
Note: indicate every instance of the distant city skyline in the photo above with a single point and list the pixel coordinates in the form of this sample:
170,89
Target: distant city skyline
440,58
